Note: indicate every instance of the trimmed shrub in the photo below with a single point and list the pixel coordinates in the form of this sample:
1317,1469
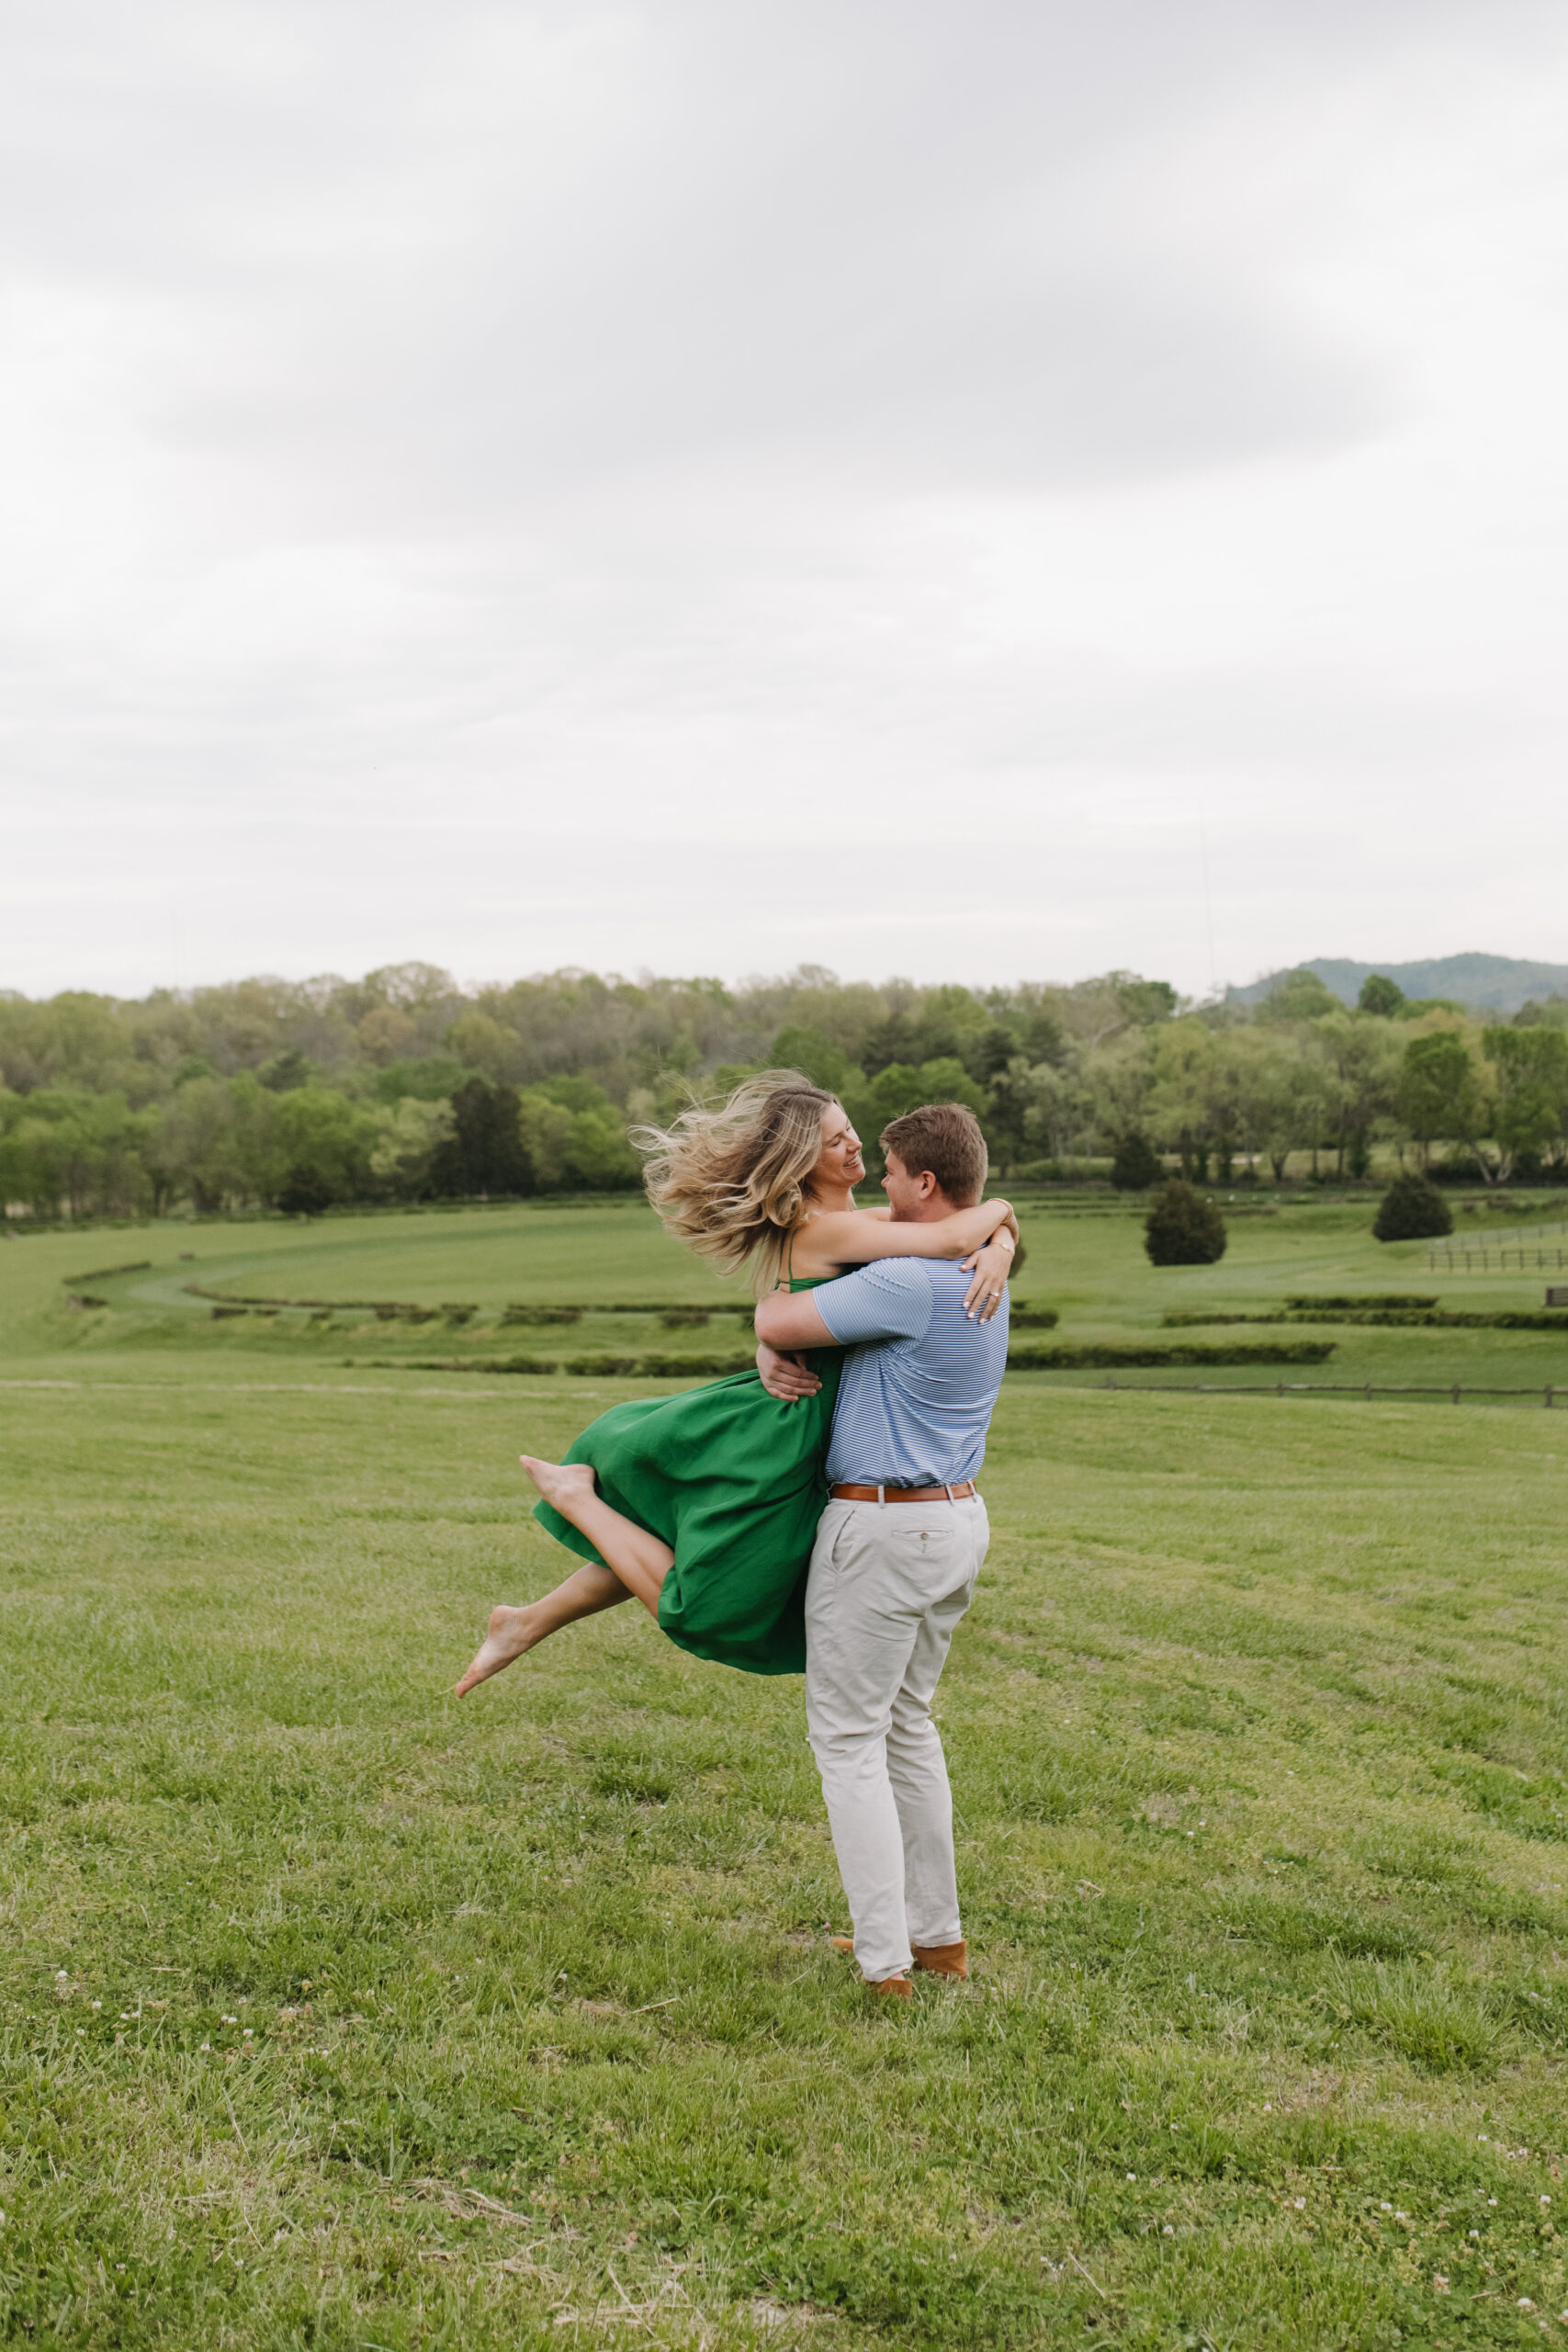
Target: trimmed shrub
1182,1228
1107,1356
1411,1210
1303,1302
1137,1165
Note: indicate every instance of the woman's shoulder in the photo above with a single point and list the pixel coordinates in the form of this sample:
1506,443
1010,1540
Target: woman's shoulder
824,1228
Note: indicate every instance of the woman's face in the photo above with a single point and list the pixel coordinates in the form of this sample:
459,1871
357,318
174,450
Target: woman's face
840,1161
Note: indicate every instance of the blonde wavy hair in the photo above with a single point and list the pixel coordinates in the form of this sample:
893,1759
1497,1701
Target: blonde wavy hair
734,1182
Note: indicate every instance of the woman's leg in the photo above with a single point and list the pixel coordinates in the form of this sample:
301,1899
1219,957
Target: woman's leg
512,1631
639,1559
640,1563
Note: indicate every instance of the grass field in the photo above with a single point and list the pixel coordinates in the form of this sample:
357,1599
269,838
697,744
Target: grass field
1087,1263
337,2015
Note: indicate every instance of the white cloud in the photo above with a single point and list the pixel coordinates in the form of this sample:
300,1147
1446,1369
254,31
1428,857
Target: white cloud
692,487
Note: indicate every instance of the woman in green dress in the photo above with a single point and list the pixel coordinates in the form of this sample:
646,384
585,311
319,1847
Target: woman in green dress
704,1506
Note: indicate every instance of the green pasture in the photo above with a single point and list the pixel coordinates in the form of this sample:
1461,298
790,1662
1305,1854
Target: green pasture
336,2015
1086,1262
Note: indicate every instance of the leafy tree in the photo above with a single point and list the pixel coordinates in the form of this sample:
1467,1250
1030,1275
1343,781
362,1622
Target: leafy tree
484,1044
597,1158
1411,1210
1551,1010
1230,1096
988,1053
1279,1075
1137,1165
1417,1008
899,1041
1532,1092
305,1192
1299,996
486,1153
318,1128
1362,1060
573,1093
1118,1078
1440,1094
575,1139
1060,1108
429,1078
816,1057
1006,1115
1180,1097
1041,1034
1147,1002
1182,1228
409,1136
235,1085
1379,995
62,1146
285,1071
194,1150
903,1086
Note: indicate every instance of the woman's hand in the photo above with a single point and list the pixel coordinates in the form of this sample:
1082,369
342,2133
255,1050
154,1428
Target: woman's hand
787,1377
991,1267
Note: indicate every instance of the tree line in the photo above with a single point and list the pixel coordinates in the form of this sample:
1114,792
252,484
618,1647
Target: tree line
404,1086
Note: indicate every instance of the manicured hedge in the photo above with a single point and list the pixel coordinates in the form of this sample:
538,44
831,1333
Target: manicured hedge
1445,1318
1085,1359
1301,1300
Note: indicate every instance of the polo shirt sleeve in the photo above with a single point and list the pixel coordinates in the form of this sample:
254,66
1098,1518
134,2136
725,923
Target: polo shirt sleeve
891,1299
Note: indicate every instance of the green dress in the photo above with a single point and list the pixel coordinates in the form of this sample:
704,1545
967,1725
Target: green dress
734,1482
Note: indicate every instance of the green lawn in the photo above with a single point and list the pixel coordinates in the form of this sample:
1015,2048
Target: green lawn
338,2015
1087,1263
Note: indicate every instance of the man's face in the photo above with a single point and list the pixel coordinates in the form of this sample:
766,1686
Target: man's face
904,1193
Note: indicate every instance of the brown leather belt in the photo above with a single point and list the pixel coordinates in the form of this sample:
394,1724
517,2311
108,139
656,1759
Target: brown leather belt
903,1494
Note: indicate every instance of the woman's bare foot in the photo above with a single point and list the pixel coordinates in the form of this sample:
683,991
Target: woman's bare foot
564,1484
512,1631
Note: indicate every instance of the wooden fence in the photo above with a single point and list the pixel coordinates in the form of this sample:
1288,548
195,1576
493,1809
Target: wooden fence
1488,1257
1484,1252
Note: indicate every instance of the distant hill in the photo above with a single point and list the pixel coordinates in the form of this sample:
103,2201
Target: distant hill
1492,983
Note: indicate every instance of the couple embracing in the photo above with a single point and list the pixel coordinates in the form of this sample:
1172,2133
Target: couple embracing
819,1514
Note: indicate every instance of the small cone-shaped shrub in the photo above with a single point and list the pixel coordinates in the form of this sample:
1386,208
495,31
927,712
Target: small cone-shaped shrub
1183,1228
1411,1210
1137,1165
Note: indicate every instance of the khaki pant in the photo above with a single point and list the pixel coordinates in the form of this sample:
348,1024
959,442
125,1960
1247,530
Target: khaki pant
888,1583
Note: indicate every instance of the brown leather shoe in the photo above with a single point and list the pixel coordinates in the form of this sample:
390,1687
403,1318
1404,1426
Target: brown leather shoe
845,1944
942,1960
899,1987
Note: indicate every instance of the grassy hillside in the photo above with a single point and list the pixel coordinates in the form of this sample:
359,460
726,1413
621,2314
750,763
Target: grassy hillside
339,2015
1500,983
1087,1262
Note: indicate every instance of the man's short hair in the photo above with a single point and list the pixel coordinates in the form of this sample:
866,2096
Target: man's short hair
942,1139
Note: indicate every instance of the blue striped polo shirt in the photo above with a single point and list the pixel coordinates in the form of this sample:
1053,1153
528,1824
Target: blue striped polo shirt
919,1379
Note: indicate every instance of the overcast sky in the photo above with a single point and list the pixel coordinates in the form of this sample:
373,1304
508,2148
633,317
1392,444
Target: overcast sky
705,485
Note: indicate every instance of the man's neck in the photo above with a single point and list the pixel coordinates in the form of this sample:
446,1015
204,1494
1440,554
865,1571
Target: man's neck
931,1212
